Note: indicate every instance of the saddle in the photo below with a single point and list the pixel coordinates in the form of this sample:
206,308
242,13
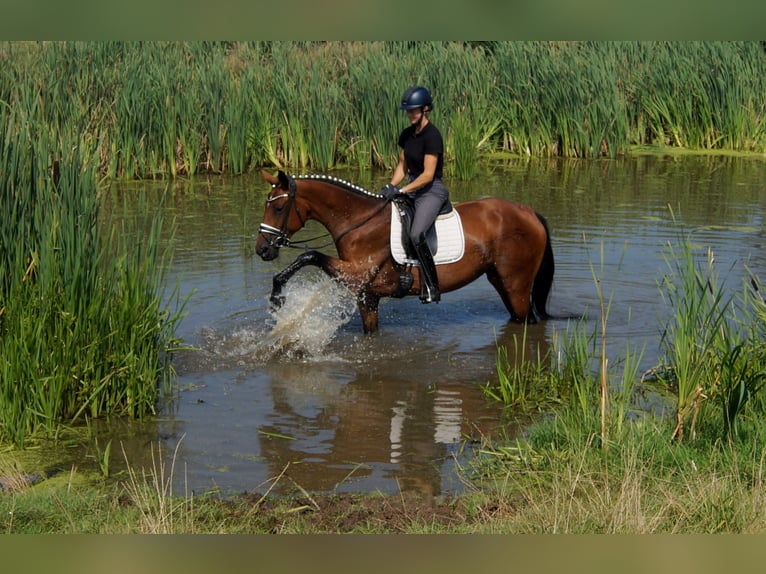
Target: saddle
445,237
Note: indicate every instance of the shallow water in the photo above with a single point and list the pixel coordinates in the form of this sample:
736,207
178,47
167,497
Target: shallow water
301,399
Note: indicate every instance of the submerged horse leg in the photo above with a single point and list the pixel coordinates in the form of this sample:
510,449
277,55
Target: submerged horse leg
280,279
516,294
367,304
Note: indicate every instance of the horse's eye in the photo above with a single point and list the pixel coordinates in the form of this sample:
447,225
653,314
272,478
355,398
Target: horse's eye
279,208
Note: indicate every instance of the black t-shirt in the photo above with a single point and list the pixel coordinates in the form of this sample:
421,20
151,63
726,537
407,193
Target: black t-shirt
417,146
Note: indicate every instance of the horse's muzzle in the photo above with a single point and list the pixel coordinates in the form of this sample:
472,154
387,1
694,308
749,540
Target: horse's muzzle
265,250
270,239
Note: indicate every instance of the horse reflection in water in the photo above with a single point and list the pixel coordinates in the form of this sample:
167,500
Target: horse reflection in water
391,436
390,426
506,241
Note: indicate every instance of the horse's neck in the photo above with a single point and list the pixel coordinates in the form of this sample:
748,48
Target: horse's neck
338,208
347,214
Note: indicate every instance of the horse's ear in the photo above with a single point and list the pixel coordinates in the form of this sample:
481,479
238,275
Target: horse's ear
284,183
268,177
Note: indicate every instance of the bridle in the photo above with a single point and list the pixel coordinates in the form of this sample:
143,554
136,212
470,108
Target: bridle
277,237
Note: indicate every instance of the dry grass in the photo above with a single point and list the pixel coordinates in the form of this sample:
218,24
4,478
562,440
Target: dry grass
151,492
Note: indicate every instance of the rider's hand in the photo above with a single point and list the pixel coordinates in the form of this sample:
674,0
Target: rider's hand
389,191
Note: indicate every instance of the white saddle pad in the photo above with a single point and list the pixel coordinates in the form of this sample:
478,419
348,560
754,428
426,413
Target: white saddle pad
449,234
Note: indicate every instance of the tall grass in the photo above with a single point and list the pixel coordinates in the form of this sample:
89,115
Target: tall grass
715,355
151,492
561,99
84,330
524,382
698,471
713,362
591,393
171,109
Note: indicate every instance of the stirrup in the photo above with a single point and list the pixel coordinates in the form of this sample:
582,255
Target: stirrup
428,297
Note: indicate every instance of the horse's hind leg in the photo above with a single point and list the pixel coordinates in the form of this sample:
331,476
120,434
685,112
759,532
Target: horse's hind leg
515,294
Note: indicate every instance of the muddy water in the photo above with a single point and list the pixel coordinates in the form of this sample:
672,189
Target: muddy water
301,399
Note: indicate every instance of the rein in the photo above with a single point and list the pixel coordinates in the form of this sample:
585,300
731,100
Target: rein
282,240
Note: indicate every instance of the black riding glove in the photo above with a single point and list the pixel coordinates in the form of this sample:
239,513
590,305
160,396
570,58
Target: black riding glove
389,191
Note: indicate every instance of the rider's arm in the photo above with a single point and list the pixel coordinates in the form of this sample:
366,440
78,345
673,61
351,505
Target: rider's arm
399,171
429,165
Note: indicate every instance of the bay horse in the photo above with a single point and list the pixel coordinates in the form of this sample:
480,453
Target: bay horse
506,241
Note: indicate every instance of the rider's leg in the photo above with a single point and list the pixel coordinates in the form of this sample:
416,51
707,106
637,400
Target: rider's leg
428,203
427,271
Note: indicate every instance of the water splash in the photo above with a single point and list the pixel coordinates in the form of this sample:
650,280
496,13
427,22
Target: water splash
315,308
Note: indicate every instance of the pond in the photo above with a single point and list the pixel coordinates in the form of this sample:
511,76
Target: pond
301,399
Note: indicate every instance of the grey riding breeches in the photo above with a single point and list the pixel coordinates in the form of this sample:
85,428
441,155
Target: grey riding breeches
428,202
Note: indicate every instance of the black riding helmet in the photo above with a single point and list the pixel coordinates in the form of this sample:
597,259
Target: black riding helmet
416,97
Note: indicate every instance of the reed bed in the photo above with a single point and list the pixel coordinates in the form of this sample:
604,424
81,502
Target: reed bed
598,462
84,328
167,109
714,352
80,311
712,371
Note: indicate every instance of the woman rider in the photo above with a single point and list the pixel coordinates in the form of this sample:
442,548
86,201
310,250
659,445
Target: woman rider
421,159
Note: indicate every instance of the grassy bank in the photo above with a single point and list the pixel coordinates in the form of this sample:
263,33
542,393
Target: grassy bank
151,109
641,485
598,462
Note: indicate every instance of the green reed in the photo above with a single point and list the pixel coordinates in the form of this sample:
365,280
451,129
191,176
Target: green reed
524,382
714,351
462,146
159,109
590,392
471,125
590,397
84,329
374,95
714,362
747,387
236,135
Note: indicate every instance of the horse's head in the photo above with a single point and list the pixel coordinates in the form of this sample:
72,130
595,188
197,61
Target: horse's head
281,217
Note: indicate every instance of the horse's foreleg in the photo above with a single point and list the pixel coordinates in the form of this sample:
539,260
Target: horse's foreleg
368,310
280,279
367,302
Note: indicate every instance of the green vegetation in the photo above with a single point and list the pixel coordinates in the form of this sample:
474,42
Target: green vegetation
714,362
83,327
593,463
714,344
158,109
597,463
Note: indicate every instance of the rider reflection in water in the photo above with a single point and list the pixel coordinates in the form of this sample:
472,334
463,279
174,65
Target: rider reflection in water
421,159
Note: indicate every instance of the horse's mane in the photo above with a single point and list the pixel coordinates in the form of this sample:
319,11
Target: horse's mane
347,185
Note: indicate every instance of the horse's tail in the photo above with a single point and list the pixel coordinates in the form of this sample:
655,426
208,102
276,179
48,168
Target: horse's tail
541,287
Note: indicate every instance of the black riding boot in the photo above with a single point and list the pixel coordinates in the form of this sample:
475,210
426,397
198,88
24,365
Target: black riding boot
427,273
